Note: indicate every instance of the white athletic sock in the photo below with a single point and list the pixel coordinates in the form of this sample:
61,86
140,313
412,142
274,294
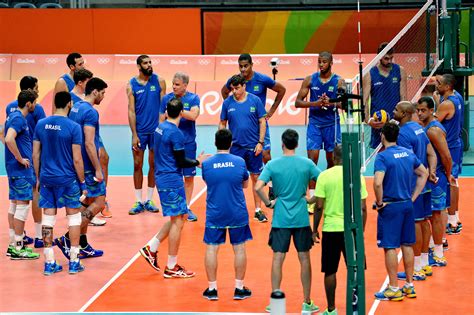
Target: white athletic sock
138,195
424,259
11,233
38,230
258,209
457,216
394,289
172,260
212,285
432,244
154,243
239,284
48,254
149,193
452,220
311,193
417,263
74,253
438,251
18,241
409,284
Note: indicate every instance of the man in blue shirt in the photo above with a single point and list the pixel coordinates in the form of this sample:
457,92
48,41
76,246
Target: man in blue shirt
66,83
187,125
385,85
21,180
245,114
30,83
225,175
144,96
291,175
81,77
60,172
258,84
394,203
170,159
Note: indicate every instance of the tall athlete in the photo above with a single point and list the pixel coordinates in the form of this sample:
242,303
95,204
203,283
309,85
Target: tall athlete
187,125
60,172
385,85
324,130
144,96
66,83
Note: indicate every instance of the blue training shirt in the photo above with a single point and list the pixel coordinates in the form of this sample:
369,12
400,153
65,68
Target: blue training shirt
57,134
31,118
257,85
453,125
398,164
328,116
75,98
17,122
243,118
224,174
147,103
85,114
439,165
69,81
168,138
188,127
384,90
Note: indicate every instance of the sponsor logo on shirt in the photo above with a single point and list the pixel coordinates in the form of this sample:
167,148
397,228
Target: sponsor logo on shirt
159,131
400,155
52,127
153,88
419,131
394,80
252,109
223,165
256,88
331,89
231,110
140,91
75,110
315,88
378,83
186,106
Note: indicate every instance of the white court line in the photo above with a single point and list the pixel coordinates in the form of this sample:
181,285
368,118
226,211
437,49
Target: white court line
130,262
384,285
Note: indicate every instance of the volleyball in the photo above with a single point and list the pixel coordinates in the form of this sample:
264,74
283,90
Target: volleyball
381,116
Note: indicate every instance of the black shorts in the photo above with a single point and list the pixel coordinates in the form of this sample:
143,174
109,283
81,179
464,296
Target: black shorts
280,239
332,246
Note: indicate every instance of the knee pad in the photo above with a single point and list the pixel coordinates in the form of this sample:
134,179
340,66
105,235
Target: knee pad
75,219
12,208
21,212
48,220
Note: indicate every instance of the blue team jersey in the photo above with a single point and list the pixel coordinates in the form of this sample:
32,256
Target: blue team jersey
57,134
258,85
17,122
85,114
243,118
453,125
225,202
147,103
461,118
398,164
31,118
384,90
168,138
439,165
69,81
317,115
75,98
188,127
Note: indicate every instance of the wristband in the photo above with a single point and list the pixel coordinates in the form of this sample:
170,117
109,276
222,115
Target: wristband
83,186
378,205
261,142
268,205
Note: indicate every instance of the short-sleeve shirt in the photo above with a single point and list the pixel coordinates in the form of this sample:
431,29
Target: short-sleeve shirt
57,134
18,122
290,176
328,116
31,118
188,127
224,174
330,187
258,85
85,114
243,118
398,164
147,103
168,138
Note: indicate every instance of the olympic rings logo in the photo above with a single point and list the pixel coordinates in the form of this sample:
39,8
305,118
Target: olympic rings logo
412,59
204,62
306,62
3,60
257,61
103,61
155,61
51,61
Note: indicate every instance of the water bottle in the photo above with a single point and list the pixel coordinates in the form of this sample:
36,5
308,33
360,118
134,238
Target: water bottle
277,303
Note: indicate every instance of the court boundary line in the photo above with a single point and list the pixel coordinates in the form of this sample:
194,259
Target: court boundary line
128,264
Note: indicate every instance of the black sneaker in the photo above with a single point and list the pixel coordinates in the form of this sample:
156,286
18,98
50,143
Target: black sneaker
271,194
242,294
260,217
211,295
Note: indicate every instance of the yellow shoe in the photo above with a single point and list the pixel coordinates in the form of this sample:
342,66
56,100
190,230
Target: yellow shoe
428,270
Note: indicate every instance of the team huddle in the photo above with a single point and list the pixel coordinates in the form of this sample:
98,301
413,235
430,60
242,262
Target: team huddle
60,161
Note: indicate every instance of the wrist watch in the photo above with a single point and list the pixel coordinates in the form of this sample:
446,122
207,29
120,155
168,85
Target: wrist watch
261,142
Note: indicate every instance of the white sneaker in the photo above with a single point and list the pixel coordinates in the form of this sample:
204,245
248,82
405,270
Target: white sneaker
97,222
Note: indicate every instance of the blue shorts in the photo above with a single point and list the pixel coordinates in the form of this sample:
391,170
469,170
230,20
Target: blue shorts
101,143
173,201
396,225
422,206
254,163
267,145
21,188
55,197
318,138
237,235
456,156
146,140
94,188
375,138
190,152
439,193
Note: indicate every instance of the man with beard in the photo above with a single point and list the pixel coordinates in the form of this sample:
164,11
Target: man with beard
324,130
386,85
144,97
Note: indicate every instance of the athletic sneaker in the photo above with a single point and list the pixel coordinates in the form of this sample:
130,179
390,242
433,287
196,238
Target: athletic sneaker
452,230
211,295
106,213
52,267
311,208
150,257
389,295
438,262
76,267
327,312
27,240
260,216
64,245
150,206
271,194
409,291
39,243
137,208
89,252
11,247
459,226
178,272
191,216
417,275
311,307
445,244
428,271
242,294
23,254
97,222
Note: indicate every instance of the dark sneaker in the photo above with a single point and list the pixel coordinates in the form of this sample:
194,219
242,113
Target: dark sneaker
211,295
52,267
191,216
150,206
137,208
178,272
27,240
260,217
64,245
39,243
271,194
150,257
89,252
75,267
452,230
242,294
445,244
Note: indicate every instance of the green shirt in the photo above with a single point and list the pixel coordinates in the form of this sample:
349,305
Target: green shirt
330,187
290,176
